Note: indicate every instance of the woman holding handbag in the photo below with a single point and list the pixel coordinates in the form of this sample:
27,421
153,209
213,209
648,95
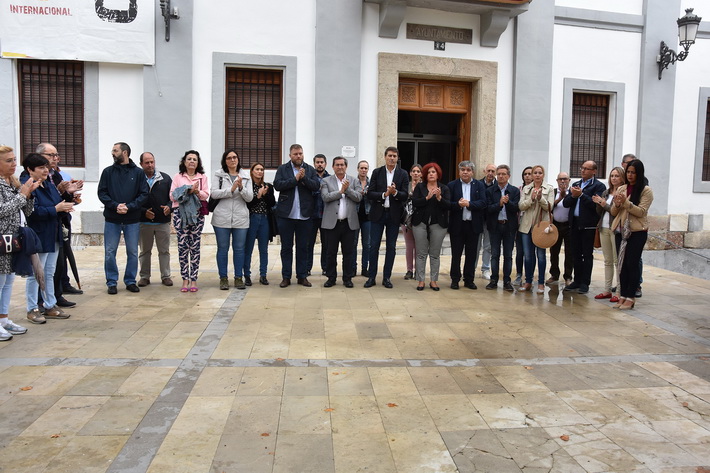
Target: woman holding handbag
536,201
606,236
415,174
230,218
630,211
260,208
189,193
14,198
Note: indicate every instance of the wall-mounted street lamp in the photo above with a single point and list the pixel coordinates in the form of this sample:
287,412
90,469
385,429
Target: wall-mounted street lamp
687,30
169,13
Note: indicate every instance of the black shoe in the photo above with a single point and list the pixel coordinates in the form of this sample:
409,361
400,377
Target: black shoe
454,284
263,281
508,287
133,288
583,289
420,288
572,287
470,285
409,275
247,281
112,290
62,302
285,282
638,293
387,283
69,289
492,285
370,282
435,288
348,283
329,283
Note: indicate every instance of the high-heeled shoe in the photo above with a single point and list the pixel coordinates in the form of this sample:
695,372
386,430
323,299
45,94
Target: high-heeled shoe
628,304
420,287
436,288
541,289
620,303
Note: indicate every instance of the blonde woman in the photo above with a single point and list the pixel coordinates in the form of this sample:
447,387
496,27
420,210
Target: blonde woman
534,197
604,202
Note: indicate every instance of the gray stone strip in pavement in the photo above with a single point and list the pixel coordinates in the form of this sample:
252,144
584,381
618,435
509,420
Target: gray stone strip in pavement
143,445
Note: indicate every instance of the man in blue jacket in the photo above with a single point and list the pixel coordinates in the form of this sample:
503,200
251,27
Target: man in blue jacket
296,182
502,223
123,190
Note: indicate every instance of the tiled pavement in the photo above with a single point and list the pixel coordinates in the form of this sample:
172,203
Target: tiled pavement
359,380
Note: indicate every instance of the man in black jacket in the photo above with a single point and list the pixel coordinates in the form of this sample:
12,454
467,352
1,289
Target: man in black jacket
583,220
123,190
296,181
502,223
155,221
387,194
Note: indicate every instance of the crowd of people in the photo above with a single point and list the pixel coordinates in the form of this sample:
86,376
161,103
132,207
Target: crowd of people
485,219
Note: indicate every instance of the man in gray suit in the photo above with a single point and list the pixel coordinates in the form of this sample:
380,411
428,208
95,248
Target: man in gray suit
340,223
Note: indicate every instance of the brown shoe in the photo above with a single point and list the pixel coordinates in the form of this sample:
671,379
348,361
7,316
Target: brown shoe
285,282
55,313
143,282
166,282
36,317
304,282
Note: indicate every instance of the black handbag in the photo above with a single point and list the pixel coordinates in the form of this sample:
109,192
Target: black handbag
212,202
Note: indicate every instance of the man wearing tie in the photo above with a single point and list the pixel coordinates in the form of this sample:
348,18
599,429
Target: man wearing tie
468,204
583,220
340,222
387,193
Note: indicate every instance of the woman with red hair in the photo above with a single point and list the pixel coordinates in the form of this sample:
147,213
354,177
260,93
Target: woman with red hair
431,201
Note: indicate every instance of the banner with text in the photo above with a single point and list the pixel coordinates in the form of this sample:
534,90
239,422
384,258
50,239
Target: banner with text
84,30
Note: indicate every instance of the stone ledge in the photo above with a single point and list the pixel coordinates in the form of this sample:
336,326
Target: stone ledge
697,239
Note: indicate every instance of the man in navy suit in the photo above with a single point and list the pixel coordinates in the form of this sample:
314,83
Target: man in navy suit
296,181
583,219
387,193
502,222
468,204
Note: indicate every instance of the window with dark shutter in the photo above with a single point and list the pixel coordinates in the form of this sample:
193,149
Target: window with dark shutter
254,115
706,145
52,107
590,132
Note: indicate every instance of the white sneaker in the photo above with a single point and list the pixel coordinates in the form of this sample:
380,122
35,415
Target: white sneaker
13,328
487,274
4,335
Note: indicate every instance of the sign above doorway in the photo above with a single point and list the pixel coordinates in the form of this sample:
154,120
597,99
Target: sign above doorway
439,33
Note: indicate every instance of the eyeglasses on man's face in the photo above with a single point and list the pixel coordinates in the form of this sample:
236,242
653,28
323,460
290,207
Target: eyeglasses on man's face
51,155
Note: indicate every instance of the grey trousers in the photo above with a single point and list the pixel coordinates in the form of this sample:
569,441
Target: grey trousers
161,234
428,243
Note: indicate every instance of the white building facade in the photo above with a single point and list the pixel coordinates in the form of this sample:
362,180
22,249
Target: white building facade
542,82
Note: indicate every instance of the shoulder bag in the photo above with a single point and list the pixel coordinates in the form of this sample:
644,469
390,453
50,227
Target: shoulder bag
544,234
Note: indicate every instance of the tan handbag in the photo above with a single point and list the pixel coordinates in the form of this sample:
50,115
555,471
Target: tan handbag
597,239
544,233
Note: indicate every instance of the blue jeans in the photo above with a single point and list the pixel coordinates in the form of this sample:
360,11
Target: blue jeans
507,239
531,251
365,243
390,228
258,230
239,238
112,236
300,230
6,281
49,263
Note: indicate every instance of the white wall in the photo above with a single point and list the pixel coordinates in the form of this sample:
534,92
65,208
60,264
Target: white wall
633,7
372,45
594,54
268,27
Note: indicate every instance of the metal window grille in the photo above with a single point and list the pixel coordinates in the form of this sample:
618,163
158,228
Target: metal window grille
52,107
253,115
706,147
590,131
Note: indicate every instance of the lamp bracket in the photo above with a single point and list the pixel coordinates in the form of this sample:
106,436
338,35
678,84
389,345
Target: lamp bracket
169,13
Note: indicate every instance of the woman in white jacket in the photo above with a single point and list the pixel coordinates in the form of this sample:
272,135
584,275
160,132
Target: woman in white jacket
535,196
230,218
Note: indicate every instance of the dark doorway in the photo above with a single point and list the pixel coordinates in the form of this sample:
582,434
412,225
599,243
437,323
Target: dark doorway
424,137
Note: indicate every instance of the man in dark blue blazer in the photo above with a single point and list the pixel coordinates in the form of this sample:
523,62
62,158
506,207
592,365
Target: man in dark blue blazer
296,181
502,223
583,219
468,204
387,194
